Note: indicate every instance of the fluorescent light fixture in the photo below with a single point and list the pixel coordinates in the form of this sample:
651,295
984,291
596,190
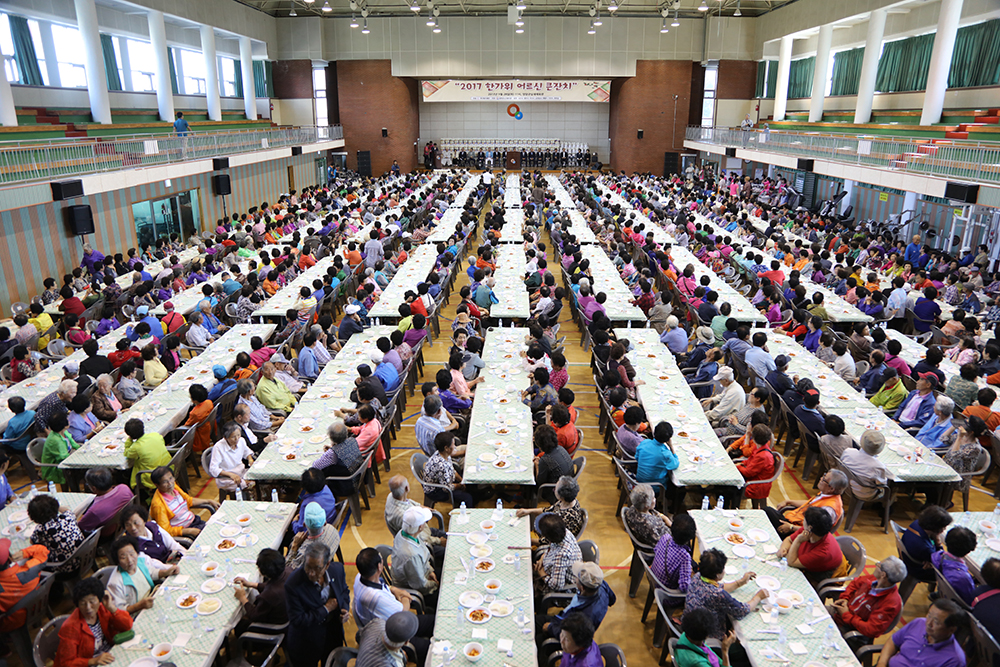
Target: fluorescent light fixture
519,30
597,20
613,7
737,12
326,7
437,29
521,6
415,6
519,22
364,29
354,21
292,13
675,23
592,30
703,7
663,28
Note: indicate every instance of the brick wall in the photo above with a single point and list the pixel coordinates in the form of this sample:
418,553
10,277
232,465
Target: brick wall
737,80
293,79
371,98
646,102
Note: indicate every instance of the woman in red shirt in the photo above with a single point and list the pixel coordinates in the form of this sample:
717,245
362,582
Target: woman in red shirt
759,464
78,644
70,304
813,548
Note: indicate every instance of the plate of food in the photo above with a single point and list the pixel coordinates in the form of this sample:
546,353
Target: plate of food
470,599
484,565
501,608
213,585
503,430
290,456
477,537
734,538
225,544
479,615
325,396
493,586
230,531
188,600
503,400
792,596
501,463
18,516
487,457
510,559
841,397
767,582
317,439
307,428
673,401
504,452
481,551
208,606
247,540
15,529
757,534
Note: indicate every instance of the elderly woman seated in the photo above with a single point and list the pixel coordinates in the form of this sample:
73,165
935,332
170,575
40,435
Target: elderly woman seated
871,602
566,506
939,430
152,539
553,570
789,514
106,402
863,464
814,549
87,635
316,530
706,591
57,531
673,556
133,579
642,519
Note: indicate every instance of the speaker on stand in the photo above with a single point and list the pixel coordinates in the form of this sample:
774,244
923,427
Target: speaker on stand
80,219
222,186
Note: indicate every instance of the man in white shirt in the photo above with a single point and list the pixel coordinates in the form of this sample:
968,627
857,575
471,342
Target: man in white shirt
226,464
865,466
198,335
729,401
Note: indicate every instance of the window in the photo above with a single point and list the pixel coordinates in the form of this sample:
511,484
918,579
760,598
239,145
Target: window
227,69
7,50
69,56
140,60
193,66
708,103
319,93
36,40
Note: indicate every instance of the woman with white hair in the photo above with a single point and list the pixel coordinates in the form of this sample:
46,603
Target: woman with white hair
642,519
871,602
674,337
939,429
863,464
728,402
566,505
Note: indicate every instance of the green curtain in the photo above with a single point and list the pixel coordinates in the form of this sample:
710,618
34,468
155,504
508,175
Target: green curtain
24,52
800,78
761,78
259,79
110,63
904,63
847,71
772,79
238,77
269,77
976,61
173,70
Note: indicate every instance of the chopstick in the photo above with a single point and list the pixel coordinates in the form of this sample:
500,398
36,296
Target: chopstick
528,548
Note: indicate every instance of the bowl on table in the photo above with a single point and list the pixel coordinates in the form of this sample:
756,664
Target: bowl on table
473,651
162,651
784,605
210,568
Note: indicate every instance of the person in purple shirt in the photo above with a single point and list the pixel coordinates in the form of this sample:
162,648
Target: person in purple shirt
672,556
918,407
627,434
314,490
451,402
925,311
576,639
414,335
389,354
950,562
110,499
928,642
92,259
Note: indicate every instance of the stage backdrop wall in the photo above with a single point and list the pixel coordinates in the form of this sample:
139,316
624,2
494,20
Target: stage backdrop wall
570,121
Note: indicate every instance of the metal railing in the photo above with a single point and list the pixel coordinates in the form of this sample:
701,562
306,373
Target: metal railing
966,161
51,159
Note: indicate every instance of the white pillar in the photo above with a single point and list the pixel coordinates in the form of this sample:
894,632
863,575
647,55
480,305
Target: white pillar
820,72
161,63
8,114
910,204
211,73
937,73
49,53
869,66
126,65
97,79
784,68
249,92
849,189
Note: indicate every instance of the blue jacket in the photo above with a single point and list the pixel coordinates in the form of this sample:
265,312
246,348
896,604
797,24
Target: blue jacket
307,616
216,392
594,607
325,499
925,412
307,363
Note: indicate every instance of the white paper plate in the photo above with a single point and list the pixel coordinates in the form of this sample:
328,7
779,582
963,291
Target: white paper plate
486,612
484,565
218,546
992,543
758,534
18,516
767,582
743,551
501,608
487,457
184,596
230,531
477,537
213,585
148,661
792,596
247,540
470,599
481,550
209,606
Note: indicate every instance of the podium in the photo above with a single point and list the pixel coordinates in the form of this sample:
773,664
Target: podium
513,160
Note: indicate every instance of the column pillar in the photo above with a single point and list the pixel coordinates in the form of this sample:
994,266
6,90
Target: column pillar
869,66
161,61
781,86
8,114
849,189
97,79
49,53
211,73
819,73
937,73
249,92
126,65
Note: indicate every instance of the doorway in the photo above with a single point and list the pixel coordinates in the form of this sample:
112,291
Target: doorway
291,178
159,218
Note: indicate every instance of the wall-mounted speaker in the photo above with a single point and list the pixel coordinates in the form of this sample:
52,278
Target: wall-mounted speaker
638,134
220,163
81,219
385,132
66,189
967,193
804,165
296,150
221,184
730,151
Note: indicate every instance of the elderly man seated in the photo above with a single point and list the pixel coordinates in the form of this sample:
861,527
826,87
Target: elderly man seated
871,602
396,505
728,401
864,465
788,515
552,570
272,392
814,549
928,641
412,561
917,408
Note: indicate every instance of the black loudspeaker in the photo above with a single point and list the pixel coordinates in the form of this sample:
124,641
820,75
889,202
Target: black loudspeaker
221,184
638,134
967,193
66,190
385,132
81,219
670,165
296,150
804,165
220,163
365,163
730,152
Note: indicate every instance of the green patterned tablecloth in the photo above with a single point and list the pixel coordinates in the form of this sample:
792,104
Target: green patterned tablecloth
607,280
164,408
987,543
513,226
497,407
186,301
913,353
331,391
743,310
859,415
165,621
660,236
578,225
667,397
515,584
16,513
756,632
414,270
285,298
510,290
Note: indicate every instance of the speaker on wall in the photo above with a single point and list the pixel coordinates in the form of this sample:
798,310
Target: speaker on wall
296,150
638,134
385,132
81,219
967,193
670,163
66,190
804,165
220,163
365,163
730,152
221,184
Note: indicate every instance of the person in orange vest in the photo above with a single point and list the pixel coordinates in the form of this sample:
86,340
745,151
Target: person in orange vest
19,573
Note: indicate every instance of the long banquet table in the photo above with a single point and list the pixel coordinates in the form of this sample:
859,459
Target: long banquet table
606,279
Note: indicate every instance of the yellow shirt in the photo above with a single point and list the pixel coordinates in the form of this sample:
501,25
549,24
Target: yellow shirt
43,323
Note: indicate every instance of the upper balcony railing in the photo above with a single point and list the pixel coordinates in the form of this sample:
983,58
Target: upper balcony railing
54,159
965,160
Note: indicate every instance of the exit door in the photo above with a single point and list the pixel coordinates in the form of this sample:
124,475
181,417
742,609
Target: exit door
291,178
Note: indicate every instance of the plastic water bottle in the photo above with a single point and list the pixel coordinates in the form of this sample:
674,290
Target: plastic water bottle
52,490
161,616
704,503
782,637
810,606
517,563
446,656
462,510
828,643
784,564
520,616
461,616
274,496
720,503
500,505
197,624
239,494
996,511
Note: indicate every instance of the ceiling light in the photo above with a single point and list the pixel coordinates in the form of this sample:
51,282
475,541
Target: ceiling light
354,5
737,12
519,23
414,6
676,22
309,2
292,13
613,7
437,29
430,20
327,7
354,21
364,29
598,21
663,28
592,30
703,7
521,6
519,30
